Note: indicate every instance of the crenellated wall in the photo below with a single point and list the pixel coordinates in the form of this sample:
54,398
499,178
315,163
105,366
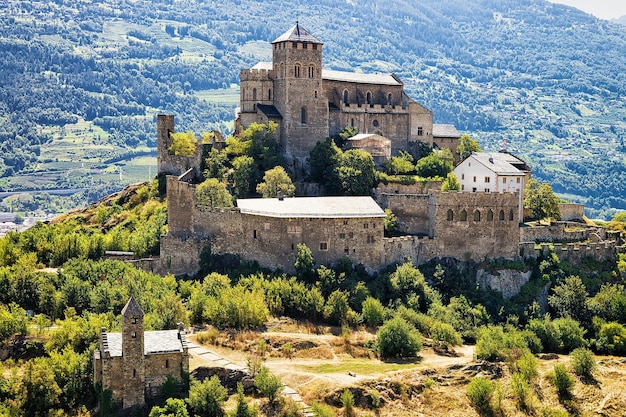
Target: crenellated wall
563,232
574,252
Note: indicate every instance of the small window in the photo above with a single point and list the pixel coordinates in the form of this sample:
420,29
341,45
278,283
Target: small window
296,71
304,46
420,131
293,246
504,180
254,94
462,176
375,123
462,187
346,250
345,98
294,45
450,215
487,190
370,239
134,320
487,179
324,246
352,122
369,98
266,226
477,216
311,71
511,215
254,234
315,94
167,363
134,373
518,180
342,235
365,225
501,215
463,215
269,94
315,47
303,116
390,99
474,179
345,222
490,216
133,335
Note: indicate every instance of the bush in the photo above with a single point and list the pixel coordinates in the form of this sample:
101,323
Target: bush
373,311
527,366
547,333
612,338
267,384
398,338
521,391
336,309
494,344
347,402
480,392
206,398
583,362
243,409
571,335
444,334
563,381
321,410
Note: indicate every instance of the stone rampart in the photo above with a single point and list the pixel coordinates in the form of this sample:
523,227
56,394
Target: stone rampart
255,74
571,211
573,252
561,232
411,211
422,187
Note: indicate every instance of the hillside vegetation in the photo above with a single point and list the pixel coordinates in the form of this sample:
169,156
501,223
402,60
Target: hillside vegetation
83,80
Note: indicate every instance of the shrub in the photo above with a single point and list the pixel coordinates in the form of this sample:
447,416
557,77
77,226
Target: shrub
494,344
527,366
398,338
547,333
207,397
321,410
612,338
420,321
445,334
583,362
267,384
237,307
373,311
571,335
521,391
210,336
563,381
347,402
480,391
336,309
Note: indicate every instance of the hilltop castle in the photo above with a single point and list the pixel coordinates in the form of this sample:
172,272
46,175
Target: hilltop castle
310,103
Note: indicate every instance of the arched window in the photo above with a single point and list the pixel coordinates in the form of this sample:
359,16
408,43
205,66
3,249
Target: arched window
352,122
369,98
254,94
450,215
477,216
311,71
296,70
490,215
269,94
345,97
389,99
303,116
511,215
463,215
282,70
501,215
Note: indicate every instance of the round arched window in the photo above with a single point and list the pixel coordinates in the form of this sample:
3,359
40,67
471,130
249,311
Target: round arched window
375,123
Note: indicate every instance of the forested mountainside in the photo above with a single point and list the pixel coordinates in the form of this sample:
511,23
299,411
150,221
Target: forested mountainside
82,80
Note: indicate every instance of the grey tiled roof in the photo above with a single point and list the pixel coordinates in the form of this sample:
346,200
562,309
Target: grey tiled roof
160,341
498,162
132,308
445,131
297,34
312,207
356,77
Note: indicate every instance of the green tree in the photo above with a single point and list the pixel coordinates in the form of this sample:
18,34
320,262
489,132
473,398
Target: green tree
562,380
356,172
612,338
305,263
206,398
213,193
444,334
467,146
324,161
398,338
174,407
480,391
410,286
183,143
373,311
401,164
619,216
569,298
451,183
583,362
276,181
347,402
541,200
433,166
336,309
267,384
216,164
390,222
245,175
242,409
609,303
571,335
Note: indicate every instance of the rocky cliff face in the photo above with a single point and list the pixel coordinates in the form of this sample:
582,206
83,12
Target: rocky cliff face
507,281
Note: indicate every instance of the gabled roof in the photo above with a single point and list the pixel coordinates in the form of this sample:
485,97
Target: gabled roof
445,131
297,34
269,110
357,77
311,207
498,162
132,308
160,341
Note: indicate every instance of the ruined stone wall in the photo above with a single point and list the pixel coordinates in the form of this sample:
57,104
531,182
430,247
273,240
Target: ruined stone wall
573,252
167,162
181,201
418,249
476,225
419,188
570,211
411,210
561,231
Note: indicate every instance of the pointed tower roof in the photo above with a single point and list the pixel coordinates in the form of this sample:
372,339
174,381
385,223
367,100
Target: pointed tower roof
132,308
297,34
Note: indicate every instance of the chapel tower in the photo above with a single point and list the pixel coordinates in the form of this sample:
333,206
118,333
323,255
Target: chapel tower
133,354
298,94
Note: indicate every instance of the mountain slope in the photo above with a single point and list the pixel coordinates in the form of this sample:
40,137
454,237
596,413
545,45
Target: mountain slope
547,78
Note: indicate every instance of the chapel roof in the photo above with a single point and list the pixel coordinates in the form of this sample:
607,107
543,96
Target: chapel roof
357,77
269,110
297,34
445,131
132,308
311,207
154,342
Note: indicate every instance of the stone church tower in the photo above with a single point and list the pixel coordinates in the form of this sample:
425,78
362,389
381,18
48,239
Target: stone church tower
133,354
298,94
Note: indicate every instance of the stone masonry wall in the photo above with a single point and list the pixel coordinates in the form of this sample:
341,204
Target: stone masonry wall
562,231
411,210
570,211
573,252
